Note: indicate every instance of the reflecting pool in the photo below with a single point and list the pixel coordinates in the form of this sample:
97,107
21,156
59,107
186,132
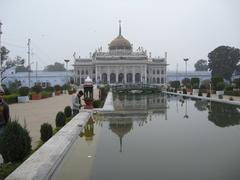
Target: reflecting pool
157,137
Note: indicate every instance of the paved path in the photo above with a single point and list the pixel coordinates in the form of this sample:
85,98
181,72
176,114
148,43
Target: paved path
38,112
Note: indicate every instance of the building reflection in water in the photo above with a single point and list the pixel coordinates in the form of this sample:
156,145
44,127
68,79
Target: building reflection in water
140,109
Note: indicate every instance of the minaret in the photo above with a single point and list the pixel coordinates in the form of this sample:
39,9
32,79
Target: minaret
120,29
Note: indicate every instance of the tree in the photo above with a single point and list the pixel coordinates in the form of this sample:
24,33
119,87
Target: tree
201,65
55,67
223,61
18,61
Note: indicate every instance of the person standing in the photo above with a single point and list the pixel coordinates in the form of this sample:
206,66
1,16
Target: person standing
76,103
4,111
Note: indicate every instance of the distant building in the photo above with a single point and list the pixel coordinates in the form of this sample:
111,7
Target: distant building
43,78
202,75
121,65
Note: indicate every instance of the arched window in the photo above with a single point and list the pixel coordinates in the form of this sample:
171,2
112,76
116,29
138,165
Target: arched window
86,72
137,78
158,71
82,80
162,72
112,78
104,78
82,72
154,71
78,72
129,78
120,78
158,80
162,80
154,80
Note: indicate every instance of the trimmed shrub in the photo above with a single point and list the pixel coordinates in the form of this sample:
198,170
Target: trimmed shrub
68,111
184,91
195,86
195,83
215,81
208,94
46,131
23,91
15,143
49,89
7,92
97,103
37,89
232,93
60,119
231,98
46,94
10,99
220,86
175,84
200,93
228,88
57,88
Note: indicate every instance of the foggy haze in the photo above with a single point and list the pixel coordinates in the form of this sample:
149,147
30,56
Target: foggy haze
58,28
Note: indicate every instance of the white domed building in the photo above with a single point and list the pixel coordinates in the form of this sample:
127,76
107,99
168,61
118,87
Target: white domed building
121,65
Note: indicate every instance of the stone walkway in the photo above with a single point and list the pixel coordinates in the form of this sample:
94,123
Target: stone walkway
38,112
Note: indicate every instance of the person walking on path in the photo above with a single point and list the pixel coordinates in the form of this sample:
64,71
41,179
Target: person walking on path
76,103
4,111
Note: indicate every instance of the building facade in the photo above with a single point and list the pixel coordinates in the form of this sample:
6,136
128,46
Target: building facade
121,65
42,78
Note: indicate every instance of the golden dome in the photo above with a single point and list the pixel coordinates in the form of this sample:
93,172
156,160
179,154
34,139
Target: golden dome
120,42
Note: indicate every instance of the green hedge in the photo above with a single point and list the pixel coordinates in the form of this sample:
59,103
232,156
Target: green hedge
10,99
232,93
46,94
97,103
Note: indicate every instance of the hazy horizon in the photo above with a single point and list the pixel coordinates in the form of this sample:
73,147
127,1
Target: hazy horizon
58,28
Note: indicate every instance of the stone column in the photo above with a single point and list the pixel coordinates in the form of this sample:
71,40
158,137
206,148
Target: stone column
96,74
145,74
133,73
108,74
117,72
125,75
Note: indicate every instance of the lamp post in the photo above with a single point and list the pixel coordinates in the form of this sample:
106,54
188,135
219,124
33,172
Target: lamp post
186,60
66,61
0,54
210,87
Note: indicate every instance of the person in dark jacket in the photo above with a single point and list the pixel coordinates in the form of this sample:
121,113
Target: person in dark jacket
4,111
76,103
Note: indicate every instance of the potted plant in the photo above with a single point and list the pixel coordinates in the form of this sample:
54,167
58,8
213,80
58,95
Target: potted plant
220,88
23,94
36,92
89,102
57,89
195,88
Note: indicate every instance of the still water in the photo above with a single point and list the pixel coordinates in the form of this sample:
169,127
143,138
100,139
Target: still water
157,137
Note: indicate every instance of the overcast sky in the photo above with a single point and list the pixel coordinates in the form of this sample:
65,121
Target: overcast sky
58,28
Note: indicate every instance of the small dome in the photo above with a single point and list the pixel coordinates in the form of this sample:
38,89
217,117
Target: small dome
120,43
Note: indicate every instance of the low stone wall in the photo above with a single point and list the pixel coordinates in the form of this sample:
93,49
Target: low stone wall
205,98
43,163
